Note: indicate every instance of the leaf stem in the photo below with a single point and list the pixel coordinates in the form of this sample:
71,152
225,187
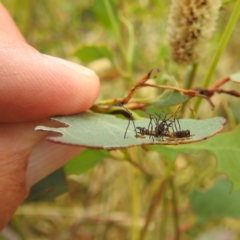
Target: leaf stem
189,81
175,209
131,42
164,218
120,41
156,198
132,154
143,169
190,78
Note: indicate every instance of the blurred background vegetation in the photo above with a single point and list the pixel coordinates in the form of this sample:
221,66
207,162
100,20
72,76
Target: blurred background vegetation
117,200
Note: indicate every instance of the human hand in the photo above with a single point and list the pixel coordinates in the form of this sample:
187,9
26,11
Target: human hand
33,88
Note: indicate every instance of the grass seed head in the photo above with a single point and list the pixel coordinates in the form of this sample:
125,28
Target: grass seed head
190,27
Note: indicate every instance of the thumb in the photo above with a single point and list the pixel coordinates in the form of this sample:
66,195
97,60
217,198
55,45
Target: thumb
36,86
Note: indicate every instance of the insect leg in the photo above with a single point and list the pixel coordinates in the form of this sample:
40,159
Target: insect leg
130,119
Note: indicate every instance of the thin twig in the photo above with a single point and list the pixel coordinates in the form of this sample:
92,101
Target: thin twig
220,83
191,93
157,197
138,84
143,169
175,210
230,92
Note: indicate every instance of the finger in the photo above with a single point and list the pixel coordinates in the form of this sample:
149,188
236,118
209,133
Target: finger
17,141
36,86
8,26
46,158
17,173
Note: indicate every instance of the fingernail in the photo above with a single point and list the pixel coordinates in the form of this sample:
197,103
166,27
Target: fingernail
79,68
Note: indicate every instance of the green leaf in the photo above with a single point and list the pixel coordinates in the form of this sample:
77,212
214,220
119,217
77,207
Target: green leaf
49,187
165,79
103,131
216,202
84,161
226,148
100,12
235,77
90,53
170,98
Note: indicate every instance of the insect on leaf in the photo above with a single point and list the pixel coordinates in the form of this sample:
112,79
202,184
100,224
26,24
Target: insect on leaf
94,130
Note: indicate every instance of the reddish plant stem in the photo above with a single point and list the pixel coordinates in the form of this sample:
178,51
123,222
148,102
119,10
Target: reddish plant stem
230,92
138,84
219,83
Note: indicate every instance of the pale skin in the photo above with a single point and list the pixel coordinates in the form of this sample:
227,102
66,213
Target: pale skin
33,87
